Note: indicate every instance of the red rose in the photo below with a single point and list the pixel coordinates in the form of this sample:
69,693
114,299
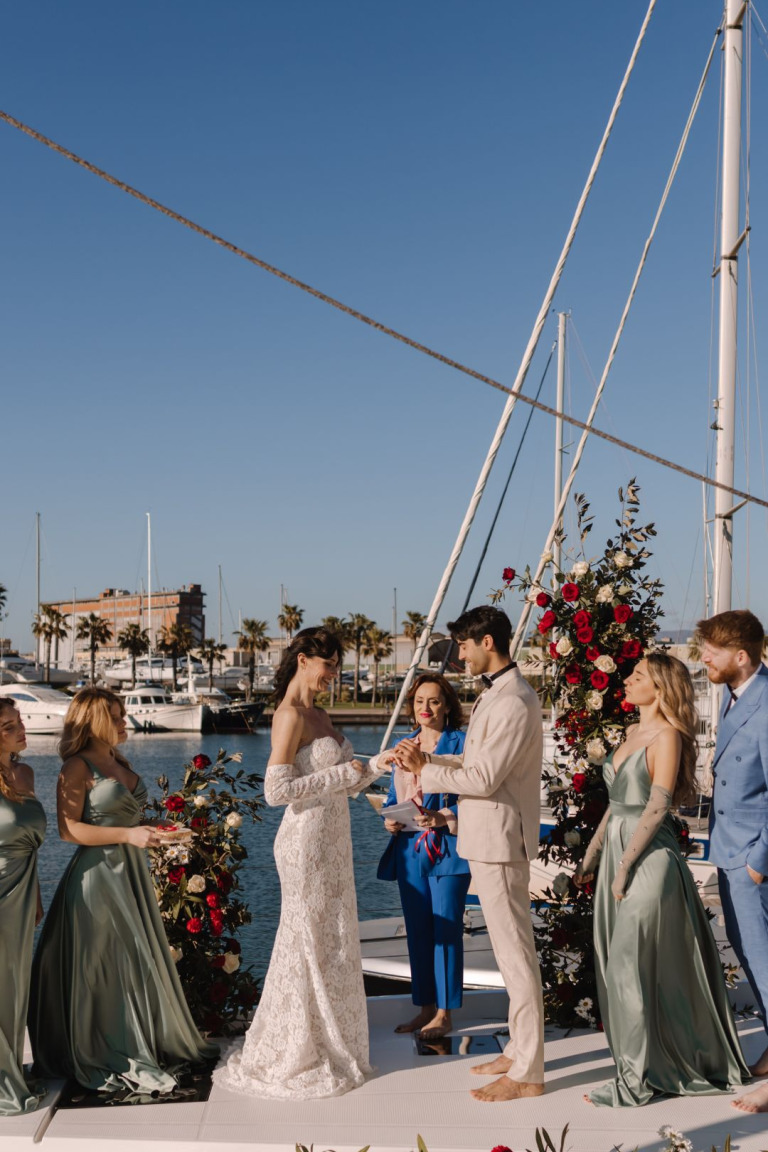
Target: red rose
582,618
212,900
218,962
200,761
224,882
508,575
626,706
233,947
588,888
194,925
631,649
592,654
585,635
622,613
558,938
175,804
176,875
213,1024
570,592
579,781
553,652
542,599
599,680
547,621
573,674
217,923
501,1148
199,822
217,993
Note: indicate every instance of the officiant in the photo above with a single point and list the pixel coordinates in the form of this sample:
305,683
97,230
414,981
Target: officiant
422,857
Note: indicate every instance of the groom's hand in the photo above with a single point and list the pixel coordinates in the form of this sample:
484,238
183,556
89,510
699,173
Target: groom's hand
410,756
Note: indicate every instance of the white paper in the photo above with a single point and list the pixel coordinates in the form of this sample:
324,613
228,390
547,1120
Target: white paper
404,814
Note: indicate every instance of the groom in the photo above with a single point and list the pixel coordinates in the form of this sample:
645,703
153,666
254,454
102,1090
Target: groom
498,779
732,647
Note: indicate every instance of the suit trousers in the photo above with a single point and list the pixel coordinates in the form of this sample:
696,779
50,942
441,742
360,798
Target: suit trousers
433,909
506,904
745,908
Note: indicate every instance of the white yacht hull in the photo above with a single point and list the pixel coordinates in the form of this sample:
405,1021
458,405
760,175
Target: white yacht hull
166,717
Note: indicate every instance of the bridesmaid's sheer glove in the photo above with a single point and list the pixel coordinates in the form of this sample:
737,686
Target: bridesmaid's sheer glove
648,825
594,850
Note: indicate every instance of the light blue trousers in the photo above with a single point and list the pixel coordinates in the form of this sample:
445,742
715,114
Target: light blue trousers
745,907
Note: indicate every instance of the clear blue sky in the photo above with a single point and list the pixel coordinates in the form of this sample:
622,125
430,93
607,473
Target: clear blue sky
421,161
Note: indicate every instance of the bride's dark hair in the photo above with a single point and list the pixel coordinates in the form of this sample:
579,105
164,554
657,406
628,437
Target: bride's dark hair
309,642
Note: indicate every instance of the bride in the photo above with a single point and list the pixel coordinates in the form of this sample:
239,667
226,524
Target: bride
309,1037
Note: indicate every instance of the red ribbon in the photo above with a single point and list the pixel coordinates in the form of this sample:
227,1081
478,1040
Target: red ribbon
433,845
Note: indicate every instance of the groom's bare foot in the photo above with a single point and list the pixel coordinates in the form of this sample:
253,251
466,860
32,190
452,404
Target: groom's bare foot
506,1089
439,1025
495,1067
756,1101
760,1067
424,1017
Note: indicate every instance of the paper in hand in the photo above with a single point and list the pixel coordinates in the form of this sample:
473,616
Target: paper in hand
404,814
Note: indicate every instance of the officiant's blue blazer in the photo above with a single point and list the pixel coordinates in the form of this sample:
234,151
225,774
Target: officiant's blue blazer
738,822
449,863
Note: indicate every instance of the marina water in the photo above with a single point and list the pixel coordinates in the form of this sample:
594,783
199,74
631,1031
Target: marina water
166,754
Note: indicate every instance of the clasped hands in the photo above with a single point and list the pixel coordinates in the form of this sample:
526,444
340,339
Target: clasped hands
407,755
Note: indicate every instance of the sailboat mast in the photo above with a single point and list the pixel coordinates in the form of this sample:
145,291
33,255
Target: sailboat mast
219,603
730,242
37,568
561,318
149,587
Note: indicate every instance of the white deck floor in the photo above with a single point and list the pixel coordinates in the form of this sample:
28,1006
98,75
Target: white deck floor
409,1094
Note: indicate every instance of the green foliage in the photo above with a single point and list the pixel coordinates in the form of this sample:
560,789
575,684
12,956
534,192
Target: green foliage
197,886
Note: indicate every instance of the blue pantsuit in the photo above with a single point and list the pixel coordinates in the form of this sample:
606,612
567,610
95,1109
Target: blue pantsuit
433,881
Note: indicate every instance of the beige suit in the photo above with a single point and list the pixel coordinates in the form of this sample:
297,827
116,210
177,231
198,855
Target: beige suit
498,780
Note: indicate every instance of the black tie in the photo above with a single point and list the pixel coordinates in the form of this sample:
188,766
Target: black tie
732,700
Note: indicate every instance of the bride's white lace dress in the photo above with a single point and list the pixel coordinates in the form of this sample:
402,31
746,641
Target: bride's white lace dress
309,1036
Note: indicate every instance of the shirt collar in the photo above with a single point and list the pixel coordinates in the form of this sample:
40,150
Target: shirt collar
736,692
488,680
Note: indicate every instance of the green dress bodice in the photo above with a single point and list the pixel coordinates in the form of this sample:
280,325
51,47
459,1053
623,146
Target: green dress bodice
660,983
107,1007
22,828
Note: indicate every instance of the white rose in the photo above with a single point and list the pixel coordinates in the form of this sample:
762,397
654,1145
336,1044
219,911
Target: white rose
561,884
594,701
624,589
201,801
604,593
547,557
579,569
233,819
196,884
572,839
564,646
176,954
595,750
231,963
622,560
605,664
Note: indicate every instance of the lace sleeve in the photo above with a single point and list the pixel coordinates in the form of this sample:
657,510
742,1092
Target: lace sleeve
648,825
283,784
595,848
369,773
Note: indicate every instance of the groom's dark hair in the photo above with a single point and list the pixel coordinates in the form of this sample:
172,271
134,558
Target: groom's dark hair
483,621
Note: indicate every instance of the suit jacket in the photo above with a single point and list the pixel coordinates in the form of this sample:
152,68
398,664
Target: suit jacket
447,862
738,820
498,778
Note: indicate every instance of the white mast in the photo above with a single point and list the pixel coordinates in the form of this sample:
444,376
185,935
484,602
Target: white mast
149,589
37,566
219,603
561,319
730,242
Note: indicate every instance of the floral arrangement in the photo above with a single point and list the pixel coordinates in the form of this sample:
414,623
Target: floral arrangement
597,620
196,881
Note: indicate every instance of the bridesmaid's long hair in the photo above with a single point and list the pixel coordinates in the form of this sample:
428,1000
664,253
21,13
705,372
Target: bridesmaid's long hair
672,681
309,642
6,788
88,718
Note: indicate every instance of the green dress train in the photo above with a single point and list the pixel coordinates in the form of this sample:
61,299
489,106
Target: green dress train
22,828
660,984
107,1006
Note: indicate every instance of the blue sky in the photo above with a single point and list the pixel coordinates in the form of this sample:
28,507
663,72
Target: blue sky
419,161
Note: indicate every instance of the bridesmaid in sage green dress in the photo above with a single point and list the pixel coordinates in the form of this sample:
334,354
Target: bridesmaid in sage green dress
22,828
107,1007
660,984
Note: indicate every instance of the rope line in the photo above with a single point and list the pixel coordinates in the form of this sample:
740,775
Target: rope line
448,361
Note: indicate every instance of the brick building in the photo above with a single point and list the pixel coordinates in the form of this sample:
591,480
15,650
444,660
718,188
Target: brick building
119,607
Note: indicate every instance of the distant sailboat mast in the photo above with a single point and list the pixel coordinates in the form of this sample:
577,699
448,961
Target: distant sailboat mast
149,585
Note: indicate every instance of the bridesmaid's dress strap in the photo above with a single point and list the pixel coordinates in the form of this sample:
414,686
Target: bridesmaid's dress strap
94,770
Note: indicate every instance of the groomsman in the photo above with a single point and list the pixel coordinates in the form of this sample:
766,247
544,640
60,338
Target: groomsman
498,780
732,646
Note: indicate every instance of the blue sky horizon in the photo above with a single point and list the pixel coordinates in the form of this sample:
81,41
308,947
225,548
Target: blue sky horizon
419,162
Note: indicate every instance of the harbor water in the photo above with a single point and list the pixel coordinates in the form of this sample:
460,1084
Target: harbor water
166,754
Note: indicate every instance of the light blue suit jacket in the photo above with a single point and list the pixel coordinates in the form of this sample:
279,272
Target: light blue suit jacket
738,822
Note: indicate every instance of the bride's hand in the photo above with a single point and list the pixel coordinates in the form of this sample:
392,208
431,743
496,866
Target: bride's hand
358,767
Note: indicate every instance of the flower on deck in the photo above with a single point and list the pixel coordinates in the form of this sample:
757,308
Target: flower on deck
175,804
194,925
564,646
176,954
561,884
622,560
595,750
598,680
231,963
542,599
196,884
604,593
605,664
501,1148
547,621
570,592
200,761
233,819
594,701
572,839
580,569
201,801
582,618
676,1141
622,613
176,875
508,575
631,649
579,781
585,635
212,900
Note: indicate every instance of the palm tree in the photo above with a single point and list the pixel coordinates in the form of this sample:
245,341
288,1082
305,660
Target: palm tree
252,638
135,640
357,626
209,651
49,625
290,619
413,626
96,630
378,645
338,626
175,640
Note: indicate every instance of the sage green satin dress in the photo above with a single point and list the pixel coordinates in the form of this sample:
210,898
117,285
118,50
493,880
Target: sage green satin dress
22,828
107,1006
660,984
